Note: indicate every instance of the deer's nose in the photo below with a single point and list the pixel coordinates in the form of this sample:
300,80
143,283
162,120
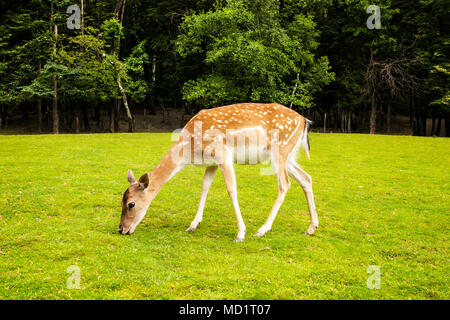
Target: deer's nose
122,231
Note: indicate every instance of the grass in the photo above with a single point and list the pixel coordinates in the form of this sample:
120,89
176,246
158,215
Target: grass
381,200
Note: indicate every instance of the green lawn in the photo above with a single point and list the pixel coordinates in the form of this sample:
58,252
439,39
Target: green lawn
381,200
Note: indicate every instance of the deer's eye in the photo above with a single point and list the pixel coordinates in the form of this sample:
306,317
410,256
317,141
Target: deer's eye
131,205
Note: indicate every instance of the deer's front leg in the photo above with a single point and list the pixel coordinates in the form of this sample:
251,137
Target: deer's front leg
230,181
207,181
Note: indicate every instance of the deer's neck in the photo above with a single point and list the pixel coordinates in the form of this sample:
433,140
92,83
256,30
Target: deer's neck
163,172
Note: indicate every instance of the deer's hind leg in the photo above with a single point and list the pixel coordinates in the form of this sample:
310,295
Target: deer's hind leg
207,181
304,179
283,186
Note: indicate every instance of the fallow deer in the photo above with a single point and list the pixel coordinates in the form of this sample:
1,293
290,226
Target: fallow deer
263,132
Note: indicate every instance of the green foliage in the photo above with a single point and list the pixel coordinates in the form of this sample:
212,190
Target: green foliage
249,56
86,72
80,71
301,53
68,81
24,45
441,78
136,87
112,32
212,90
348,43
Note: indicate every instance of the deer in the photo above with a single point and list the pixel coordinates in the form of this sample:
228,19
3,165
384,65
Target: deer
264,132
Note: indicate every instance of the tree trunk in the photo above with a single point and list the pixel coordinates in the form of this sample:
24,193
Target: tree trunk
123,10
87,126
55,85
125,104
335,120
82,16
112,111
153,98
418,117
117,115
437,132
119,9
145,118
39,108
325,122
77,123
424,122
62,116
39,115
5,117
373,114
1,118
96,116
349,122
48,118
447,126
389,117
55,107
411,114
163,108
433,123
362,119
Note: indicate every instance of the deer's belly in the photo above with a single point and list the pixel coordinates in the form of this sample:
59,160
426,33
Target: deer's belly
241,155
250,154
241,147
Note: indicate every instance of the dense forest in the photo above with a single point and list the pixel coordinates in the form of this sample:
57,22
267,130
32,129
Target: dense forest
64,64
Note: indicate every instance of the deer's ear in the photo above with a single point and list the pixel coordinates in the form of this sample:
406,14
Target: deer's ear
130,177
144,181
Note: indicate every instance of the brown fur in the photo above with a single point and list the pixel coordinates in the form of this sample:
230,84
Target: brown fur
271,118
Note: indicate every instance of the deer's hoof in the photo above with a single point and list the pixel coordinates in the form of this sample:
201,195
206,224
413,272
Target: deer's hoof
190,229
261,232
239,240
311,230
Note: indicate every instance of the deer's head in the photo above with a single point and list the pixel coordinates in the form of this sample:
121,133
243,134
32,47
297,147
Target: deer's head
135,203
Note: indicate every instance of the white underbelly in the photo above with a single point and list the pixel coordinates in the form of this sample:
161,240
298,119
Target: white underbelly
250,154
241,147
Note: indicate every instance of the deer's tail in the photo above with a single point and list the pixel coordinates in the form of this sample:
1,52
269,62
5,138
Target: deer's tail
304,144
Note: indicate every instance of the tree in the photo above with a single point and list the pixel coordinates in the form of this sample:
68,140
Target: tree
25,44
136,86
193,54
249,56
112,30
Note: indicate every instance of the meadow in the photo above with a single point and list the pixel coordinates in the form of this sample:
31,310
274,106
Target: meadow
381,200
